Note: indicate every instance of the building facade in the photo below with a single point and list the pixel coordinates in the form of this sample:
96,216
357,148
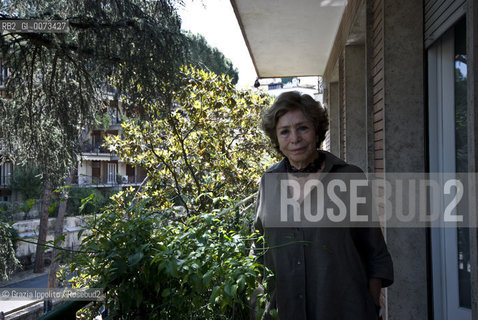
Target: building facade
99,168
6,166
401,93
400,87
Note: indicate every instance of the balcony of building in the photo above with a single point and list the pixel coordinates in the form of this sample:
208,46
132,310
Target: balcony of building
108,181
107,173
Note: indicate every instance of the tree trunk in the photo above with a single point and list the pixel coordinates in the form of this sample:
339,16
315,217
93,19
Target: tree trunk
56,257
40,250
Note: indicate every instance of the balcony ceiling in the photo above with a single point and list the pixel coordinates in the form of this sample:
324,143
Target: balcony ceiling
289,37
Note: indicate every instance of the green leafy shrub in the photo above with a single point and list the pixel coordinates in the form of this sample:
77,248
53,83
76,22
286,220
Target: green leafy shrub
8,263
207,141
102,121
181,249
158,266
6,211
27,180
203,56
93,203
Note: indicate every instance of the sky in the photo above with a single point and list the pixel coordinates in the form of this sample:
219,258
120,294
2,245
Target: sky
216,21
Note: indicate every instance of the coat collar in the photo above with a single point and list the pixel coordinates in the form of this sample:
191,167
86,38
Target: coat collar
331,161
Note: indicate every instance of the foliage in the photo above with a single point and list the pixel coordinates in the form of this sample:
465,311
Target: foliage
179,248
103,121
461,120
27,205
202,56
9,262
57,81
7,209
27,180
154,265
208,142
91,200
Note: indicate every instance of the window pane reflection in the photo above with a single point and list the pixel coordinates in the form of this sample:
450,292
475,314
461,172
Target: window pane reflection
461,157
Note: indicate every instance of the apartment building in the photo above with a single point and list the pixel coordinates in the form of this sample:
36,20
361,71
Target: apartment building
6,167
97,167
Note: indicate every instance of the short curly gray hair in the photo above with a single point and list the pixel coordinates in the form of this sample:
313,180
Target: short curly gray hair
290,101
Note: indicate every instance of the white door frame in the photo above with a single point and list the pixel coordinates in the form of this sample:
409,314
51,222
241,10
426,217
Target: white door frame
444,243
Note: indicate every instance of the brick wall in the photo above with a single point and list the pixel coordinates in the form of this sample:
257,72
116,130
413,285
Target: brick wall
377,85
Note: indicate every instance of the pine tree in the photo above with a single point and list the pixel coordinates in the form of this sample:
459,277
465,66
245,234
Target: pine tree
57,81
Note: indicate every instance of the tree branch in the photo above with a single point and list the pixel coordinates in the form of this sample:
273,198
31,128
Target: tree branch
184,156
176,182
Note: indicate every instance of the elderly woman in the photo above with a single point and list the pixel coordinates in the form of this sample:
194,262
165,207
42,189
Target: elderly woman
319,273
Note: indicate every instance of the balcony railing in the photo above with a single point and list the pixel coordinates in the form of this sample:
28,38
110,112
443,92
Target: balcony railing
88,148
103,181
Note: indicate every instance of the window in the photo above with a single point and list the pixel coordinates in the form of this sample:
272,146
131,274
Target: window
130,173
3,74
113,112
111,173
96,141
95,171
5,174
447,92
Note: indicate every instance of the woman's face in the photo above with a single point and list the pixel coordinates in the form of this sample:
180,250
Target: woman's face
297,138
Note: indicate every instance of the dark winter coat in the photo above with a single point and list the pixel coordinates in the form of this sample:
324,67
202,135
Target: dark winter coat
323,273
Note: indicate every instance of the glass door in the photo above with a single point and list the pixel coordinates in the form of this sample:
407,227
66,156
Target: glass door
5,173
111,173
447,72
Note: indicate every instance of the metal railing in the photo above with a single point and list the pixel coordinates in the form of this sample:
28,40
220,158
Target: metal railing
88,148
65,311
88,181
